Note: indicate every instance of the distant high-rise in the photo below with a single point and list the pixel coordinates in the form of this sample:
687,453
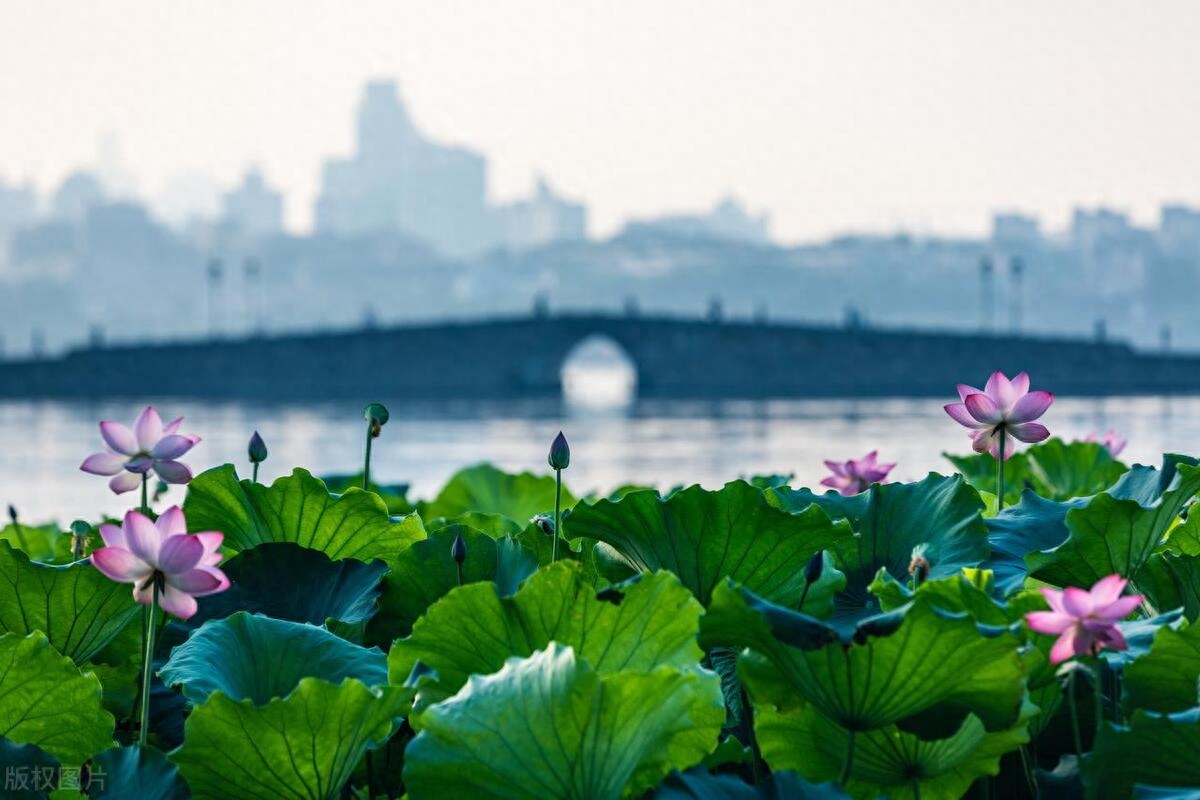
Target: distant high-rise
398,181
544,218
253,209
728,220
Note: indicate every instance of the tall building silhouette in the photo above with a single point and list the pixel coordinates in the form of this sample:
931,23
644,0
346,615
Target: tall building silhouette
398,181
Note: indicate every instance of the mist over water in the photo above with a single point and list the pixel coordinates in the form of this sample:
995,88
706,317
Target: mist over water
661,443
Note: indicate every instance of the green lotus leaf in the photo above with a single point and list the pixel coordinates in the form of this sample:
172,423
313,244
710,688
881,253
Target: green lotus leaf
567,730
1116,532
1062,470
1171,581
394,495
1155,749
916,659
705,536
1055,469
30,773
700,784
649,621
426,572
887,761
298,509
1165,679
76,606
938,514
486,489
47,702
979,470
286,581
304,746
141,772
1031,525
48,544
256,658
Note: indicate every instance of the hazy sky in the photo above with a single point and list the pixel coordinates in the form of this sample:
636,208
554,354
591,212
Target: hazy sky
833,115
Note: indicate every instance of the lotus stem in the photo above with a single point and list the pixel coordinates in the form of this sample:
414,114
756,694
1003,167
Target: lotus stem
148,660
367,462
803,597
1074,714
755,752
145,493
557,513
254,472
1000,472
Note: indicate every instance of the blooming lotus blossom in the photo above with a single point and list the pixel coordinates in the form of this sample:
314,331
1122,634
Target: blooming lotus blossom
1085,621
150,448
1111,440
856,475
145,553
1004,410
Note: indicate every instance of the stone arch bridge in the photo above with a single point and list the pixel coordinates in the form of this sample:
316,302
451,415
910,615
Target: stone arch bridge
523,357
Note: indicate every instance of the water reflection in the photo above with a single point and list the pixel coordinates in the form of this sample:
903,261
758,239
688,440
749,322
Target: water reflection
656,442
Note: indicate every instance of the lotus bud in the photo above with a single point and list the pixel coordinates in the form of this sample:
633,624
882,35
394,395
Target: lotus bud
918,566
257,449
458,550
79,533
814,568
376,415
560,453
544,522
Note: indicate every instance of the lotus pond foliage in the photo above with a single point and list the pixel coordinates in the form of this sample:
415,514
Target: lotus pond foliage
1024,625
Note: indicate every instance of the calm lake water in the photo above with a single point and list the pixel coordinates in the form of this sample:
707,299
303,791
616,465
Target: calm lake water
660,443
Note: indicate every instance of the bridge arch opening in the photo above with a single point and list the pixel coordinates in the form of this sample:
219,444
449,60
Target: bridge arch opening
598,373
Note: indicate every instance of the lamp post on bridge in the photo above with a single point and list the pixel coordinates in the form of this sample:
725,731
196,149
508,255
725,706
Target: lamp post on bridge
987,272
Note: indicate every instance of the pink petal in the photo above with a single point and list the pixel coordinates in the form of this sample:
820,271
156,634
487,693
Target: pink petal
836,467
171,447
118,437
981,441
113,536
1120,608
173,471
149,429
143,538
1031,406
834,482
958,412
965,391
984,408
120,565
1108,589
200,582
1066,646
171,522
179,554
1000,390
869,459
1020,383
212,542
177,603
1114,639
140,464
1077,602
1054,598
1029,431
1050,622
103,464
125,482
172,426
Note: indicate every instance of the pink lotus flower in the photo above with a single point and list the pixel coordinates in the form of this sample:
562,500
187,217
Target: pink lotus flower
856,475
1085,621
1111,440
149,448
184,565
1003,410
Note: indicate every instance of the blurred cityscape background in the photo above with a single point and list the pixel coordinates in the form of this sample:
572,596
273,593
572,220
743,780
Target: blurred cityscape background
404,230
246,171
